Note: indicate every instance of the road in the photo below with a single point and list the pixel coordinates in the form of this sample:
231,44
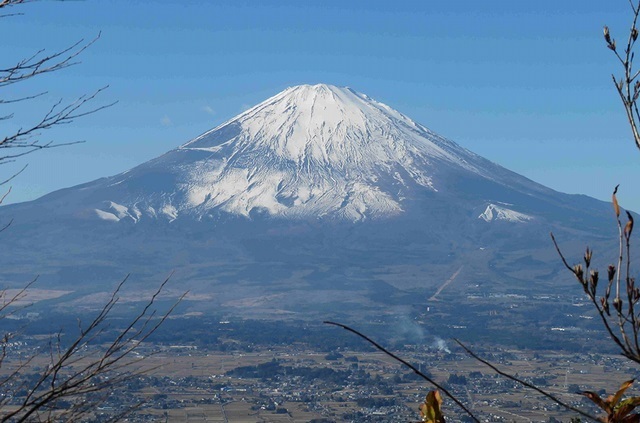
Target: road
434,297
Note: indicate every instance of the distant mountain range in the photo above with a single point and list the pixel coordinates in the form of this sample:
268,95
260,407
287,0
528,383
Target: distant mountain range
318,199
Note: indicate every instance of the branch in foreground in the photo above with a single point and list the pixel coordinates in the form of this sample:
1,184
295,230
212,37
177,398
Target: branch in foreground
616,313
525,383
407,364
603,307
23,138
628,86
27,139
73,372
7,3
37,64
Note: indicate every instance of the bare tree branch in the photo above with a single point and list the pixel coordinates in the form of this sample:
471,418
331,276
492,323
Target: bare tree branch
76,367
525,383
10,178
38,63
24,138
73,372
627,86
409,365
623,322
7,3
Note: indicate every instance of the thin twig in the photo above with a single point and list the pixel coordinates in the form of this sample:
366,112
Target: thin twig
407,364
525,383
69,375
600,310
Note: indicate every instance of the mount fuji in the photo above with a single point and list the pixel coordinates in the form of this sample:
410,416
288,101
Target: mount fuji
315,198
309,152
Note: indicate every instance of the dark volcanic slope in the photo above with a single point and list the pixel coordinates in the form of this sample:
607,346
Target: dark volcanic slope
319,196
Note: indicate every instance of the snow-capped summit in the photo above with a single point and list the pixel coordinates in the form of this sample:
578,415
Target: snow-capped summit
310,151
316,198
310,125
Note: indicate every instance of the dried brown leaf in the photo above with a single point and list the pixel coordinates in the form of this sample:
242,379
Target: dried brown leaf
595,398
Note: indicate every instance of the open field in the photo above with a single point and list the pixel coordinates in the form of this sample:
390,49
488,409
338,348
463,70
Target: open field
24,297
188,384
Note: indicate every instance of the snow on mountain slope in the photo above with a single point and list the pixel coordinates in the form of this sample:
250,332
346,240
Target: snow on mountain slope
494,212
266,203
311,151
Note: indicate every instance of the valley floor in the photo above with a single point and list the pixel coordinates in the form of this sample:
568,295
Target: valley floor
295,384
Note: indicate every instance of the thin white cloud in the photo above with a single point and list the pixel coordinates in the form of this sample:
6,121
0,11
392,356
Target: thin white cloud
209,110
166,121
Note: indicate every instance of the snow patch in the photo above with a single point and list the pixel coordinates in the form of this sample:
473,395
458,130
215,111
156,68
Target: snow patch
494,212
170,211
107,216
116,212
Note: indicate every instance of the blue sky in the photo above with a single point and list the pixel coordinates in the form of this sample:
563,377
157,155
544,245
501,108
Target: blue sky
525,84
